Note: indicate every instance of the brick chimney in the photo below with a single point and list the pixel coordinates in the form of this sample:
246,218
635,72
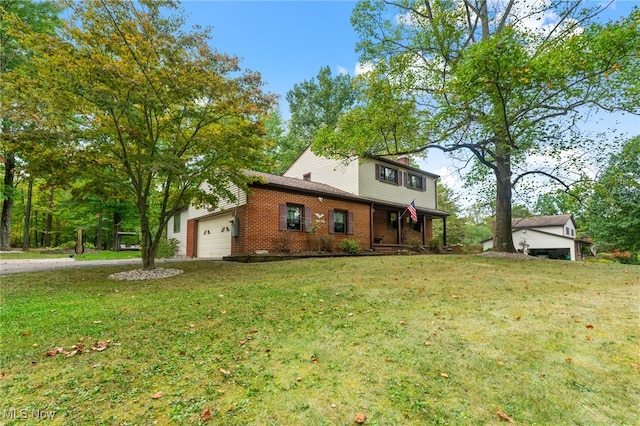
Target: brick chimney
403,159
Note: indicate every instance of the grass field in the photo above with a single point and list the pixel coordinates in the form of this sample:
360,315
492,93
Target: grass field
89,255
407,340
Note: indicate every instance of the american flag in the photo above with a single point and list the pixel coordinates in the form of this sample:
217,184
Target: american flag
412,211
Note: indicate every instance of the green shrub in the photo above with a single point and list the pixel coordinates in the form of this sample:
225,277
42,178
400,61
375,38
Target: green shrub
349,246
606,256
69,245
167,248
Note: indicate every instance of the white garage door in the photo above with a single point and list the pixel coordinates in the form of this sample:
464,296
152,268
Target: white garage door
214,236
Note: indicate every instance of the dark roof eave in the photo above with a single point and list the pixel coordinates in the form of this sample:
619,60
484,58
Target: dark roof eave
397,164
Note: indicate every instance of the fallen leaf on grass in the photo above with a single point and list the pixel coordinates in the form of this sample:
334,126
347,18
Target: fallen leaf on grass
568,359
427,343
26,333
588,337
223,371
157,395
206,414
444,375
360,418
101,346
54,352
590,327
503,416
457,296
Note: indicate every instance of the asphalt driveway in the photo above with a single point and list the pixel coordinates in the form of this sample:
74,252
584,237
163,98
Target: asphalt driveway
14,266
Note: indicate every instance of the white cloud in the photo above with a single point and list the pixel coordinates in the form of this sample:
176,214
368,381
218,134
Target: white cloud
342,70
363,68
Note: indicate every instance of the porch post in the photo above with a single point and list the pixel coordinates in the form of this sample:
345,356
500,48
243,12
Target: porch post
444,231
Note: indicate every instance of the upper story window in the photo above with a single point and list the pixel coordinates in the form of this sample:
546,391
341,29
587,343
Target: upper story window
307,177
567,230
176,223
416,182
387,174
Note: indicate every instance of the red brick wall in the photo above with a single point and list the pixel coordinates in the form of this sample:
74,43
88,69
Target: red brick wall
259,222
191,238
381,226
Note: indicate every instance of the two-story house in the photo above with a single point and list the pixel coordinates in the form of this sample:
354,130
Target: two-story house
316,199
553,237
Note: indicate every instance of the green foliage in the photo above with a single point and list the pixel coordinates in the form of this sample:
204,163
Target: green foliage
162,113
167,248
614,210
490,88
349,246
318,102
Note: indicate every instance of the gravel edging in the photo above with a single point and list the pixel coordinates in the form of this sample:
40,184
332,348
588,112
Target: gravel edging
146,274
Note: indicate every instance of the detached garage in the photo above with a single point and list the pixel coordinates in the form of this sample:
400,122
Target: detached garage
212,236
552,237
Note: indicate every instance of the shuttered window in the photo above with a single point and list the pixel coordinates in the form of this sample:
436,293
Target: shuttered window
295,217
340,222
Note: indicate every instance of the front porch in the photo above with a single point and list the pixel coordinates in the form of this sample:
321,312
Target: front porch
393,229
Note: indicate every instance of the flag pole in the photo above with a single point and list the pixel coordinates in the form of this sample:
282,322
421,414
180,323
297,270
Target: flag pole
405,209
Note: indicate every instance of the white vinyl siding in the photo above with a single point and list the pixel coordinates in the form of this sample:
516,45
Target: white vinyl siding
196,212
370,187
325,170
178,231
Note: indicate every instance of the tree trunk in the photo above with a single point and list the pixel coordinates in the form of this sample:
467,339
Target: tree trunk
116,229
48,222
502,238
27,217
99,232
148,248
7,203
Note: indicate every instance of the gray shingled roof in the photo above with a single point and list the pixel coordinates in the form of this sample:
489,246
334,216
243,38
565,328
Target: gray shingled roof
541,221
299,184
322,189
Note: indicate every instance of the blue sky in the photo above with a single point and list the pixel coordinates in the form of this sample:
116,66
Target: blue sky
289,41
286,41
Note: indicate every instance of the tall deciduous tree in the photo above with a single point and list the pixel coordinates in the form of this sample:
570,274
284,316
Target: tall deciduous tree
161,109
20,126
314,104
500,80
614,209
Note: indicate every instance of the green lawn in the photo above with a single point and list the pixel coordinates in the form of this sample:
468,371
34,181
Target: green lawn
407,340
88,255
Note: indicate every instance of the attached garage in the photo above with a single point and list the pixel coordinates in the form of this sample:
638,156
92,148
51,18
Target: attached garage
213,236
